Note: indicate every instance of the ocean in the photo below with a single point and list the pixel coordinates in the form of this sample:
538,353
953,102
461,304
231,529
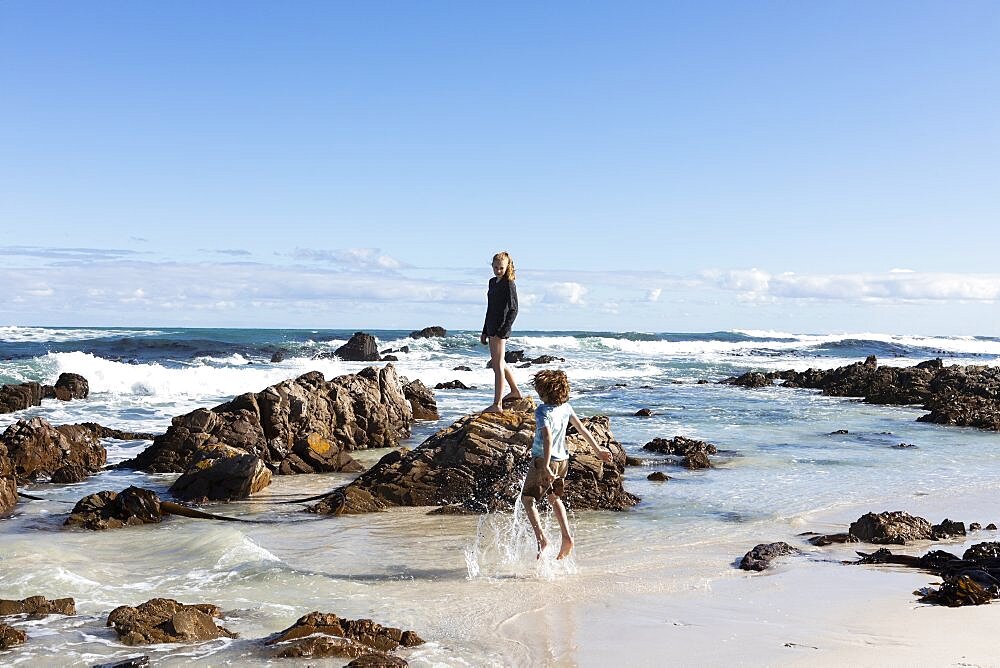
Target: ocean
470,586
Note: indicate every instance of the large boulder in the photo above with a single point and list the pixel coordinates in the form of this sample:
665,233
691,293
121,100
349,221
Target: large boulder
8,485
37,606
890,528
71,386
421,400
359,348
10,636
18,397
133,506
480,462
302,425
221,473
37,449
163,620
429,332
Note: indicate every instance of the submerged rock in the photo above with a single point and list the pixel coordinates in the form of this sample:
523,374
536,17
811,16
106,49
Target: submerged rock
761,556
480,462
302,425
133,506
363,632
9,636
37,606
890,528
163,620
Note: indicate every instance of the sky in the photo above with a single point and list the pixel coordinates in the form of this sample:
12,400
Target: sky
651,166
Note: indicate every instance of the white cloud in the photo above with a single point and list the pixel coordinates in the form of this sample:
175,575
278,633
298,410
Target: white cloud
565,293
654,295
350,259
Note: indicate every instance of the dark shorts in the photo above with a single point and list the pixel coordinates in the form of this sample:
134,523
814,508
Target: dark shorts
535,485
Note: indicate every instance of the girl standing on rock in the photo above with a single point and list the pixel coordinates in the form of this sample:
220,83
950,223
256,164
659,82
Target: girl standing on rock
501,309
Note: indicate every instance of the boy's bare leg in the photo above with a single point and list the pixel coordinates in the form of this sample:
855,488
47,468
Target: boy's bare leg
536,524
567,538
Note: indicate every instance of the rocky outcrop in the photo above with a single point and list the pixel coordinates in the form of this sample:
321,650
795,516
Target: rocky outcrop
221,473
750,379
890,528
480,462
429,332
71,386
327,635
37,449
303,425
133,506
8,485
693,453
421,400
359,348
761,556
18,397
9,636
163,620
452,385
37,606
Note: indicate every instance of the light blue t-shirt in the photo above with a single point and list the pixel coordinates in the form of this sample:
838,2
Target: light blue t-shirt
555,418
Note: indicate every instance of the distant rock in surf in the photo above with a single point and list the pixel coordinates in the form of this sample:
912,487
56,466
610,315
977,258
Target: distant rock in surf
429,332
693,453
360,348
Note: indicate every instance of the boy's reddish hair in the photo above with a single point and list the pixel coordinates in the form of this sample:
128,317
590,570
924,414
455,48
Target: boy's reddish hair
552,386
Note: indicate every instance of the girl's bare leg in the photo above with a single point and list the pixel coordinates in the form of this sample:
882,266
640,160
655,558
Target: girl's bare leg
514,393
499,366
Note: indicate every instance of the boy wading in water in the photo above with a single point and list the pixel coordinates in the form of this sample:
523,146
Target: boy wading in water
549,456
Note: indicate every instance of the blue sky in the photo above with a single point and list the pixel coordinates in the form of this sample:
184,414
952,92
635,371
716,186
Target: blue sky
660,166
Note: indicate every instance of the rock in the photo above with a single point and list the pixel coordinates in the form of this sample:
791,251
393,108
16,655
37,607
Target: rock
982,552
634,461
947,529
452,385
360,348
118,434
9,636
221,473
830,539
750,379
957,591
320,647
133,506
890,528
839,432
547,359
702,381
363,632
37,606
429,332
761,556
422,400
658,476
8,485
453,509
37,449
71,386
376,660
462,367
162,620
480,462
510,357
134,662
303,425
644,412
278,356
991,527
19,397
390,358
71,473
904,446
694,453
975,526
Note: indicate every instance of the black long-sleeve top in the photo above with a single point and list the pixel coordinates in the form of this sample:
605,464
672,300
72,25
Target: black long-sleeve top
501,308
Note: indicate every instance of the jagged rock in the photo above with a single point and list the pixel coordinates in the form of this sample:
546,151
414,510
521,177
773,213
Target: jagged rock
133,506
761,556
429,332
9,636
361,636
890,528
37,449
749,379
547,359
644,412
71,386
278,356
321,647
947,529
37,606
8,485
634,461
983,552
975,526
694,453
302,425
360,348
658,476
221,473
18,397
70,473
163,620
480,462
118,434
421,400
991,527
452,385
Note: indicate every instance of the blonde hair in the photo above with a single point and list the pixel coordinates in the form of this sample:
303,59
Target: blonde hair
510,274
552,386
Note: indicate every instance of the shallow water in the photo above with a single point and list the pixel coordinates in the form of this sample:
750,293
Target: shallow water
471,586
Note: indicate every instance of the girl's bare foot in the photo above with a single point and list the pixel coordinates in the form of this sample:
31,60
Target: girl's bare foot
542,544
567,547
513,396
494,409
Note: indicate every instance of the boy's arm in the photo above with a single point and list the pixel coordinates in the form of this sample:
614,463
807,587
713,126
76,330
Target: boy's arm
602,454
